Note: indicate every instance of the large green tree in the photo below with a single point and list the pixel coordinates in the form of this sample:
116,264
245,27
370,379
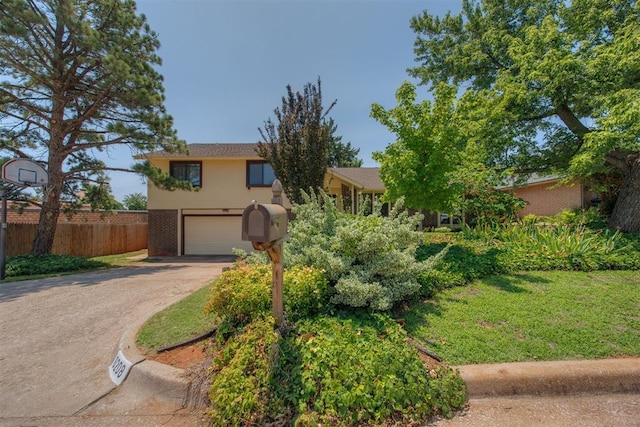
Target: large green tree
420,164
78,77
554,84
297,143
438,162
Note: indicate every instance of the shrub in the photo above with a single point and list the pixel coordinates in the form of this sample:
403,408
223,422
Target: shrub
346,370
557,247
370,260
241,387
464,262
29,265
244,292
359,370
543,246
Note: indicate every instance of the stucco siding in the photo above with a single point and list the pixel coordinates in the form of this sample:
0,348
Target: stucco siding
223,187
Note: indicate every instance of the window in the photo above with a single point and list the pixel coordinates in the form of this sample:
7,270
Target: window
187,171
450,219
259,174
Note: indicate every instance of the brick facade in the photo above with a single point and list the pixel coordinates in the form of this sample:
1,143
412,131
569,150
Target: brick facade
547,199
163,232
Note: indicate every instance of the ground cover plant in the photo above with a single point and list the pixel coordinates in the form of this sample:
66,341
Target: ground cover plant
34,265
553,315
24,267
347,369
568,241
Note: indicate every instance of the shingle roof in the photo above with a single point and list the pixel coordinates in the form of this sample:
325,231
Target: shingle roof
211,150
367,178
533,179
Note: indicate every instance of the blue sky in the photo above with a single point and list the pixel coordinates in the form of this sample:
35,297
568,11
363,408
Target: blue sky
226,65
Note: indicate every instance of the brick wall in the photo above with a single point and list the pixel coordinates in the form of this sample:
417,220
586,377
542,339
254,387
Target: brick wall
163,232
32,215
546,199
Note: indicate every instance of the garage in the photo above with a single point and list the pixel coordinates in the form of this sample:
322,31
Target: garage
212,234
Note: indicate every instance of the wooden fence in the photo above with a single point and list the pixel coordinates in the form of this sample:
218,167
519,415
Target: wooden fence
86,240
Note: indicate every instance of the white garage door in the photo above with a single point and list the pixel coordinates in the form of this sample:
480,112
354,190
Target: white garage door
213,235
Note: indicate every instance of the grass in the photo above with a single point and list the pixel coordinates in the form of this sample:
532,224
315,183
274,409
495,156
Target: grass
179,322
122,260
553,315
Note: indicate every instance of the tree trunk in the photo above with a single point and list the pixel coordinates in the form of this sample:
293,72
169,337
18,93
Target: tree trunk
43,242
626,212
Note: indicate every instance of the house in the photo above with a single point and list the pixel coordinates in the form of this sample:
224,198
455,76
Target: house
548,196
353,186
229,176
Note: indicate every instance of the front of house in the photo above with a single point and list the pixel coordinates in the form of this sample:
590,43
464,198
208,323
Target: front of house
208,221
229,176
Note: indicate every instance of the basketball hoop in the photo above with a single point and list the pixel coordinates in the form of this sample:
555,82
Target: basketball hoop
25,173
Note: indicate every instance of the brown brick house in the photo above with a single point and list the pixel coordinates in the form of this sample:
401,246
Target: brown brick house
547,196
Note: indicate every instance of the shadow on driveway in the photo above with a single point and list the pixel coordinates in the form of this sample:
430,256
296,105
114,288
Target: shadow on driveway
13,290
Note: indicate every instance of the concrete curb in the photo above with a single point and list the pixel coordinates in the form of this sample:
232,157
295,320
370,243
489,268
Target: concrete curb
552,378
165,383
170,384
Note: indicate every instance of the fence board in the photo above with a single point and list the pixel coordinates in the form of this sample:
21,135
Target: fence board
86,240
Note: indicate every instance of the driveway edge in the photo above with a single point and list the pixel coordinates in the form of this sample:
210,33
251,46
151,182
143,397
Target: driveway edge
165,383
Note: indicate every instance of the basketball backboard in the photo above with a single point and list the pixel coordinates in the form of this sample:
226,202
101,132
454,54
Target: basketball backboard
25,172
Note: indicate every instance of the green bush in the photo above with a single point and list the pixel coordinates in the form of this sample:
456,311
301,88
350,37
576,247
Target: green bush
244,292
560,247
464,262
370,260
241,388
544,246
30,265
345,370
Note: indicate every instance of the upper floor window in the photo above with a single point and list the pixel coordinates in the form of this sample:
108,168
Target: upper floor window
187,171
259,174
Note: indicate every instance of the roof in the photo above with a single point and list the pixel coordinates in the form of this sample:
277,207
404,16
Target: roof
365,178
236,150
533,179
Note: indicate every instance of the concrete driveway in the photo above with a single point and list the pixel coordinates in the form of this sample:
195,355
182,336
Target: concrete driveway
59,335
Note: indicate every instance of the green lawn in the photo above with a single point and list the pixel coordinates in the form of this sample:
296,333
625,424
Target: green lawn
179,322
553,315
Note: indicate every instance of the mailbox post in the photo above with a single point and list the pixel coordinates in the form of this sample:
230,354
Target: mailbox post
265,226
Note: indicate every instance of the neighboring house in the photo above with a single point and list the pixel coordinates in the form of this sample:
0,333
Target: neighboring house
353,186
546,196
